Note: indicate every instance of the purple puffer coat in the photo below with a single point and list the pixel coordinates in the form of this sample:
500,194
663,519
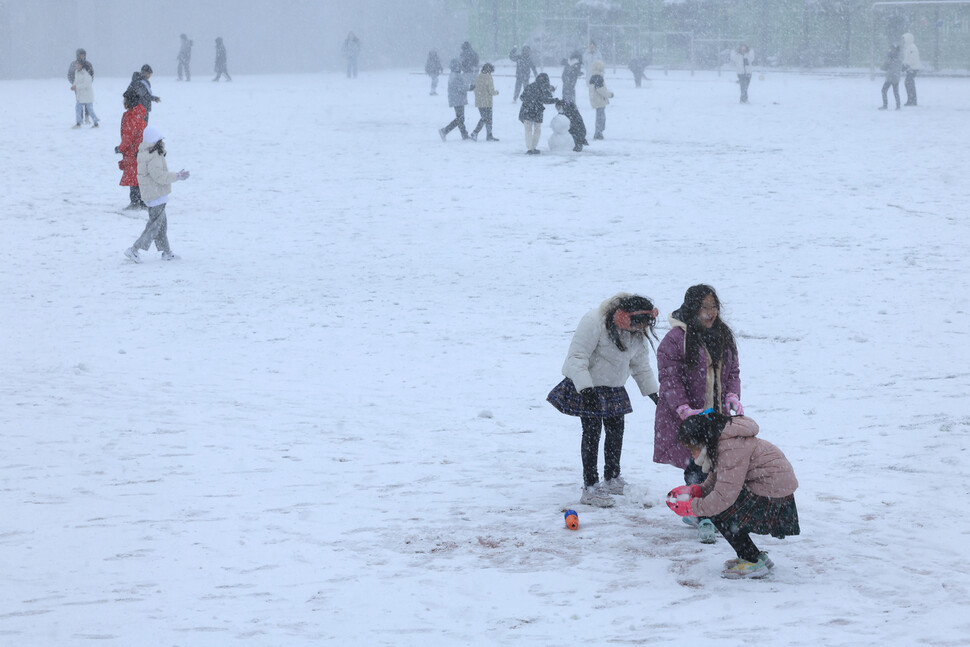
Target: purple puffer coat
691,386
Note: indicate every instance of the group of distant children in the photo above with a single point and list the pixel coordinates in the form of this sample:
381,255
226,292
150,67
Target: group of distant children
534,96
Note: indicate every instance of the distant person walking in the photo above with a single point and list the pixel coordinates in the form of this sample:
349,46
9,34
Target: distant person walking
742,57
468,62
155,181
433,69
221,61
141,87
893,67
184,58
351,50
484,91
83,87
911,65
457,98
572,69
525,67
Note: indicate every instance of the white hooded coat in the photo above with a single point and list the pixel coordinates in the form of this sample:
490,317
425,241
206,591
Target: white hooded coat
594,360
910,53
83,86
154,178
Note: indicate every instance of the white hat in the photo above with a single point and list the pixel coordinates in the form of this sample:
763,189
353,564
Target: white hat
151,135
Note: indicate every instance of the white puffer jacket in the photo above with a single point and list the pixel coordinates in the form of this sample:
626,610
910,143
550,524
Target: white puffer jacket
594,360
742,62
154,178
910,53
83,86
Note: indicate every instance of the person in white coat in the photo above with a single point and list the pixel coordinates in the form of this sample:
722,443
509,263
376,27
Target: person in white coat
743,57
911,65
83,86
155,182
599,97
607,348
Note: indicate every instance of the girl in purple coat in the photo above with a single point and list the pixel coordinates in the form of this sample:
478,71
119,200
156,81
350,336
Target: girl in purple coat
697,367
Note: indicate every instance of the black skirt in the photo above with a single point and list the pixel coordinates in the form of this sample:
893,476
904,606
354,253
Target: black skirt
612,401
761,515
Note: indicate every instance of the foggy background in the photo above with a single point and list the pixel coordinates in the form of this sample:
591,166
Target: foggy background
38,38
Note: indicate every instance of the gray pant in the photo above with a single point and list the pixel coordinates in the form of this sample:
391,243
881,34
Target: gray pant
156,230
600,122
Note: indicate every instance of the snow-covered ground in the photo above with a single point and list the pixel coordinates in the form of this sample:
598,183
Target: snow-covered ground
326,422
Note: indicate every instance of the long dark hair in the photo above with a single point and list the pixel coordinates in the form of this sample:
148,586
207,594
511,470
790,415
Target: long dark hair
717,340
631,303
703,430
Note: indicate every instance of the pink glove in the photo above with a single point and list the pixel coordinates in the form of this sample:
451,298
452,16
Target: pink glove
734,403
685,412
183,174
679,499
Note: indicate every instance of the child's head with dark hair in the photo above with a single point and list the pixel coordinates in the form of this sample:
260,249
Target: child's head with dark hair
702,432
488,68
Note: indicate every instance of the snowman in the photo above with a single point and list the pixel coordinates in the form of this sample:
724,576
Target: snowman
560,141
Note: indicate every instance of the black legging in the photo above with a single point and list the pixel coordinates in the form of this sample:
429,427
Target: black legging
612,448
740,541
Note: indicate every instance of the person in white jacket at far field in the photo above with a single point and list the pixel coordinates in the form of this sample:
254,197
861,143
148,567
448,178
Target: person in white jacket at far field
743,57
911,65
609,345
155,182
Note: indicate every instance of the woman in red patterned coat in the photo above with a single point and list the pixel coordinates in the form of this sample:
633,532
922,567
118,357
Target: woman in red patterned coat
133,124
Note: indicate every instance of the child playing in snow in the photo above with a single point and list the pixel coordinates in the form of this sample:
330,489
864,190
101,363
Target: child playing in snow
599,97
607,348
577,127
155,181
457,98
749,488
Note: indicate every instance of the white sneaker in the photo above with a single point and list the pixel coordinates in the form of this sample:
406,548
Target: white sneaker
731,563
132,254
596,495
615,486
169,256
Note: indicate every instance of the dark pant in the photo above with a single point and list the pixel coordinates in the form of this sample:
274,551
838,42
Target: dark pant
184,67
458,122
134,196
745,81
911,87
485,120
612,448
885,92
520,83
740,541
220,71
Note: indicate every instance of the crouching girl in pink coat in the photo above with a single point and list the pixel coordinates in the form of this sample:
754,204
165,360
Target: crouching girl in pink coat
749,488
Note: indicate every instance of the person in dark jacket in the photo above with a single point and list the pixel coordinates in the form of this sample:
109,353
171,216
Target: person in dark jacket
524,68
221,61
433,69
184,57
351,49
577,127
141,87
894,68
457,98
572,69
637,66
468,60
534,97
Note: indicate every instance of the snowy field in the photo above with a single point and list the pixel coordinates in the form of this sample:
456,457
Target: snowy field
327,422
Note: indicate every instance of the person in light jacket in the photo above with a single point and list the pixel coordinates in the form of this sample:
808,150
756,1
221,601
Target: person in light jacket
749,488
484,91
458,89
83,93
609,346
155,181
911,65
743,57
599,97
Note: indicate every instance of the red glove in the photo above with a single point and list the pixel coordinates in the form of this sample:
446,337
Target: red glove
733,403
685,412
680,497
